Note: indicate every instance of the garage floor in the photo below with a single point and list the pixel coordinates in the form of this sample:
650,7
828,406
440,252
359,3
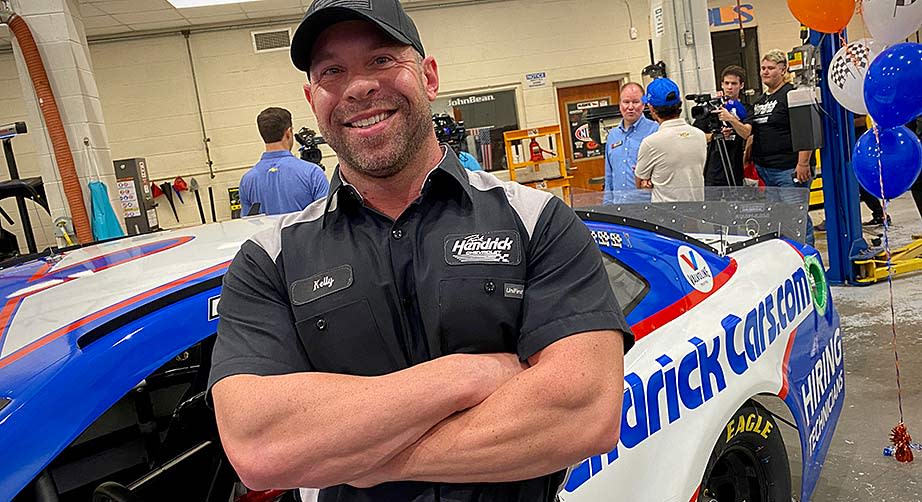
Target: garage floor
855,469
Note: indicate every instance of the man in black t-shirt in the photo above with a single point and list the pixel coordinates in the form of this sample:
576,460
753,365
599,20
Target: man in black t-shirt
732,81
770,126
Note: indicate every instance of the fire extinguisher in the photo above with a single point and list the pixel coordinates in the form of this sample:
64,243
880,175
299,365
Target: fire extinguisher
537,153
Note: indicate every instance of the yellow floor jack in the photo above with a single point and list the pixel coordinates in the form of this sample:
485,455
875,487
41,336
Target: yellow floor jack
872,263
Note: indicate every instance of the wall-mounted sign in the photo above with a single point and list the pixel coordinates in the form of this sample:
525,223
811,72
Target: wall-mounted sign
584,146
659,21
470,100
536,79
729,16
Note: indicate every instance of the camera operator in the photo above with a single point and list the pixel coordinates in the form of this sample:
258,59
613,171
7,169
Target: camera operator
671,160
451,133
280,182
724,165
770,127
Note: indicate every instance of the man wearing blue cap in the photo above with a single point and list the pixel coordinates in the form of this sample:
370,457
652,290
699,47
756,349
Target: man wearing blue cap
424,333
671,160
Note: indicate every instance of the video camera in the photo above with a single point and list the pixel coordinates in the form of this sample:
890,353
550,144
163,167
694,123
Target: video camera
448,131
309,149
705,106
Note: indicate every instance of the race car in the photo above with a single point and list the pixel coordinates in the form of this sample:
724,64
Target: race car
105,352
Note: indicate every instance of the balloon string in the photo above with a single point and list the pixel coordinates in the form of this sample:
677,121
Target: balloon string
886,216
848,49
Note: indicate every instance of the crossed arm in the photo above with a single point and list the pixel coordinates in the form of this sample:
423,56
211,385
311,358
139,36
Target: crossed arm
460,418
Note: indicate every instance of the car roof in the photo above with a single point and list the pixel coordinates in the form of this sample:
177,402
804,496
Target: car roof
54,300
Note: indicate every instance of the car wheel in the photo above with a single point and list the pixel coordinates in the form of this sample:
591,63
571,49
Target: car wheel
749,462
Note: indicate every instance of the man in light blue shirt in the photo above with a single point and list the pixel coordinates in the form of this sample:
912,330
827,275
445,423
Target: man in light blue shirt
622,146
280,182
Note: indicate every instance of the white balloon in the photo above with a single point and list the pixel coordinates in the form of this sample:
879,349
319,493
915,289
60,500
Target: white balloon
892,21
847,71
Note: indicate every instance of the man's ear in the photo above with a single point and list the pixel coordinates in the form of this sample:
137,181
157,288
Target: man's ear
431,77
307,94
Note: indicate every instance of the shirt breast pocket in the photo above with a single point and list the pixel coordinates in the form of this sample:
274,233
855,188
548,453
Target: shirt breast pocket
345,339
480,314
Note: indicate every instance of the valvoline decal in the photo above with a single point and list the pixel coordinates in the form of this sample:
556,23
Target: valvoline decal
680,386
695,269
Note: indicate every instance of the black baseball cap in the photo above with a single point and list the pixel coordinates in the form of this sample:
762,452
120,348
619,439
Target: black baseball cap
386,14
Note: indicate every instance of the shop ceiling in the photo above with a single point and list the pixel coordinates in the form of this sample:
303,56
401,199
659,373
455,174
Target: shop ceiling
114,19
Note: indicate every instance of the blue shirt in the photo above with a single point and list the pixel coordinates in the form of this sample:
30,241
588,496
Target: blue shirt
282,183
469,162
621,150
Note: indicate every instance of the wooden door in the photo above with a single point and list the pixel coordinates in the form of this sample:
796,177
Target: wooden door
585,159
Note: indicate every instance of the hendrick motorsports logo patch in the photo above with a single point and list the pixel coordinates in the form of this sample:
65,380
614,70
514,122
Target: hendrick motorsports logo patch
695,269
502,248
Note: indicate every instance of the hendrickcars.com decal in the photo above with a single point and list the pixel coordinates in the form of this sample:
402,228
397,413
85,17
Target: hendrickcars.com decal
701,374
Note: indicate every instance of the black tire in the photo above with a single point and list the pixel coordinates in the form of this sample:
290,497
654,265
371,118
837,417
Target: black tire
749,462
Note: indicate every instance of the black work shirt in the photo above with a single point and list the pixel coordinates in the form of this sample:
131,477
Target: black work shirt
771,129
474,265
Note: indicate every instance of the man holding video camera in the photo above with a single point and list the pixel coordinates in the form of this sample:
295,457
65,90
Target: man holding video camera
280,182
724,166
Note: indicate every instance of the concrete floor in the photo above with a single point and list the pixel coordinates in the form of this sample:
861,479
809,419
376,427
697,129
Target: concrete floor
855,469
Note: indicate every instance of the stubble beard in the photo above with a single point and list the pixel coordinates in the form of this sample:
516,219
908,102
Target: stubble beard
385,156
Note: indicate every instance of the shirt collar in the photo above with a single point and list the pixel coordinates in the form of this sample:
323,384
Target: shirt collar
677,122
635,125
449,168
277,154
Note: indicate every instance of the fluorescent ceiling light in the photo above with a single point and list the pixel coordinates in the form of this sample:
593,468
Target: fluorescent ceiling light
182,4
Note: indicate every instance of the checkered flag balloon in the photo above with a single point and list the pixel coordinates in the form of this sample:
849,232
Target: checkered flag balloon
891,21
847,71
853,65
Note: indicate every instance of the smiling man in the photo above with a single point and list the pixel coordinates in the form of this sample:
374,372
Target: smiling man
425,333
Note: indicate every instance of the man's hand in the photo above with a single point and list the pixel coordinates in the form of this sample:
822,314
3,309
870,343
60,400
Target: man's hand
803,172
724,115
728,132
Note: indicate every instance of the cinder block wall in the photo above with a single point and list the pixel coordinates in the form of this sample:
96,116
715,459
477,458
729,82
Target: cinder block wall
148,98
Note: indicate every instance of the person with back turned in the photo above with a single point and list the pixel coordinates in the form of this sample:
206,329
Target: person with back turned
280,182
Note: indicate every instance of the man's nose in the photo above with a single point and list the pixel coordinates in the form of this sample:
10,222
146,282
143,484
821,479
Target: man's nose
362,87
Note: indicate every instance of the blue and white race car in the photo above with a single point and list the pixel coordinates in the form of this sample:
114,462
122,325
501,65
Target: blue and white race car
105,352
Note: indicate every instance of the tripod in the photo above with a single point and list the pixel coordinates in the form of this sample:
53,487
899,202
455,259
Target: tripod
725,160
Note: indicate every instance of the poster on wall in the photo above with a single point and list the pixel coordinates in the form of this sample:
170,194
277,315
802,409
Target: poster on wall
128,196
584,146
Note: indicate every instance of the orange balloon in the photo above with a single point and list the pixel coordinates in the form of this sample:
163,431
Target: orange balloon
826,16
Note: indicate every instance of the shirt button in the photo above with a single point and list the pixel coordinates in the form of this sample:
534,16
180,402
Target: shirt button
489,287
397,234
321,324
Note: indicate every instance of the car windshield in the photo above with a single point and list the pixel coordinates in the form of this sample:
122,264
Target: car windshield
721,218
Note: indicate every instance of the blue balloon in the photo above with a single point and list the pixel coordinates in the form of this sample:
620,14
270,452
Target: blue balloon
893,85
899,156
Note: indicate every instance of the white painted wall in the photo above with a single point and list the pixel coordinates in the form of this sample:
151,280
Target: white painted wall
148,98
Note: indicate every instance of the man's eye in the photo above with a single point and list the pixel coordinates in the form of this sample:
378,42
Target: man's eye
383,60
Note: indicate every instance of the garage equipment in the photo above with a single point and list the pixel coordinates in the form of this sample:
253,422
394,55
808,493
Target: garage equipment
193,186
136,194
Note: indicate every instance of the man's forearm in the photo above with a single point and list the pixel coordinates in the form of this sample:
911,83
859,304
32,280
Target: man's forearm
320,429
541,421
744,130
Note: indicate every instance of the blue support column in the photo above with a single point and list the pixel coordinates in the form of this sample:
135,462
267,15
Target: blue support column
840,187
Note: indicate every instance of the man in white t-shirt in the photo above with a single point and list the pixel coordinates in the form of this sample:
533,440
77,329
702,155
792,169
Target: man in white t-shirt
671,160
